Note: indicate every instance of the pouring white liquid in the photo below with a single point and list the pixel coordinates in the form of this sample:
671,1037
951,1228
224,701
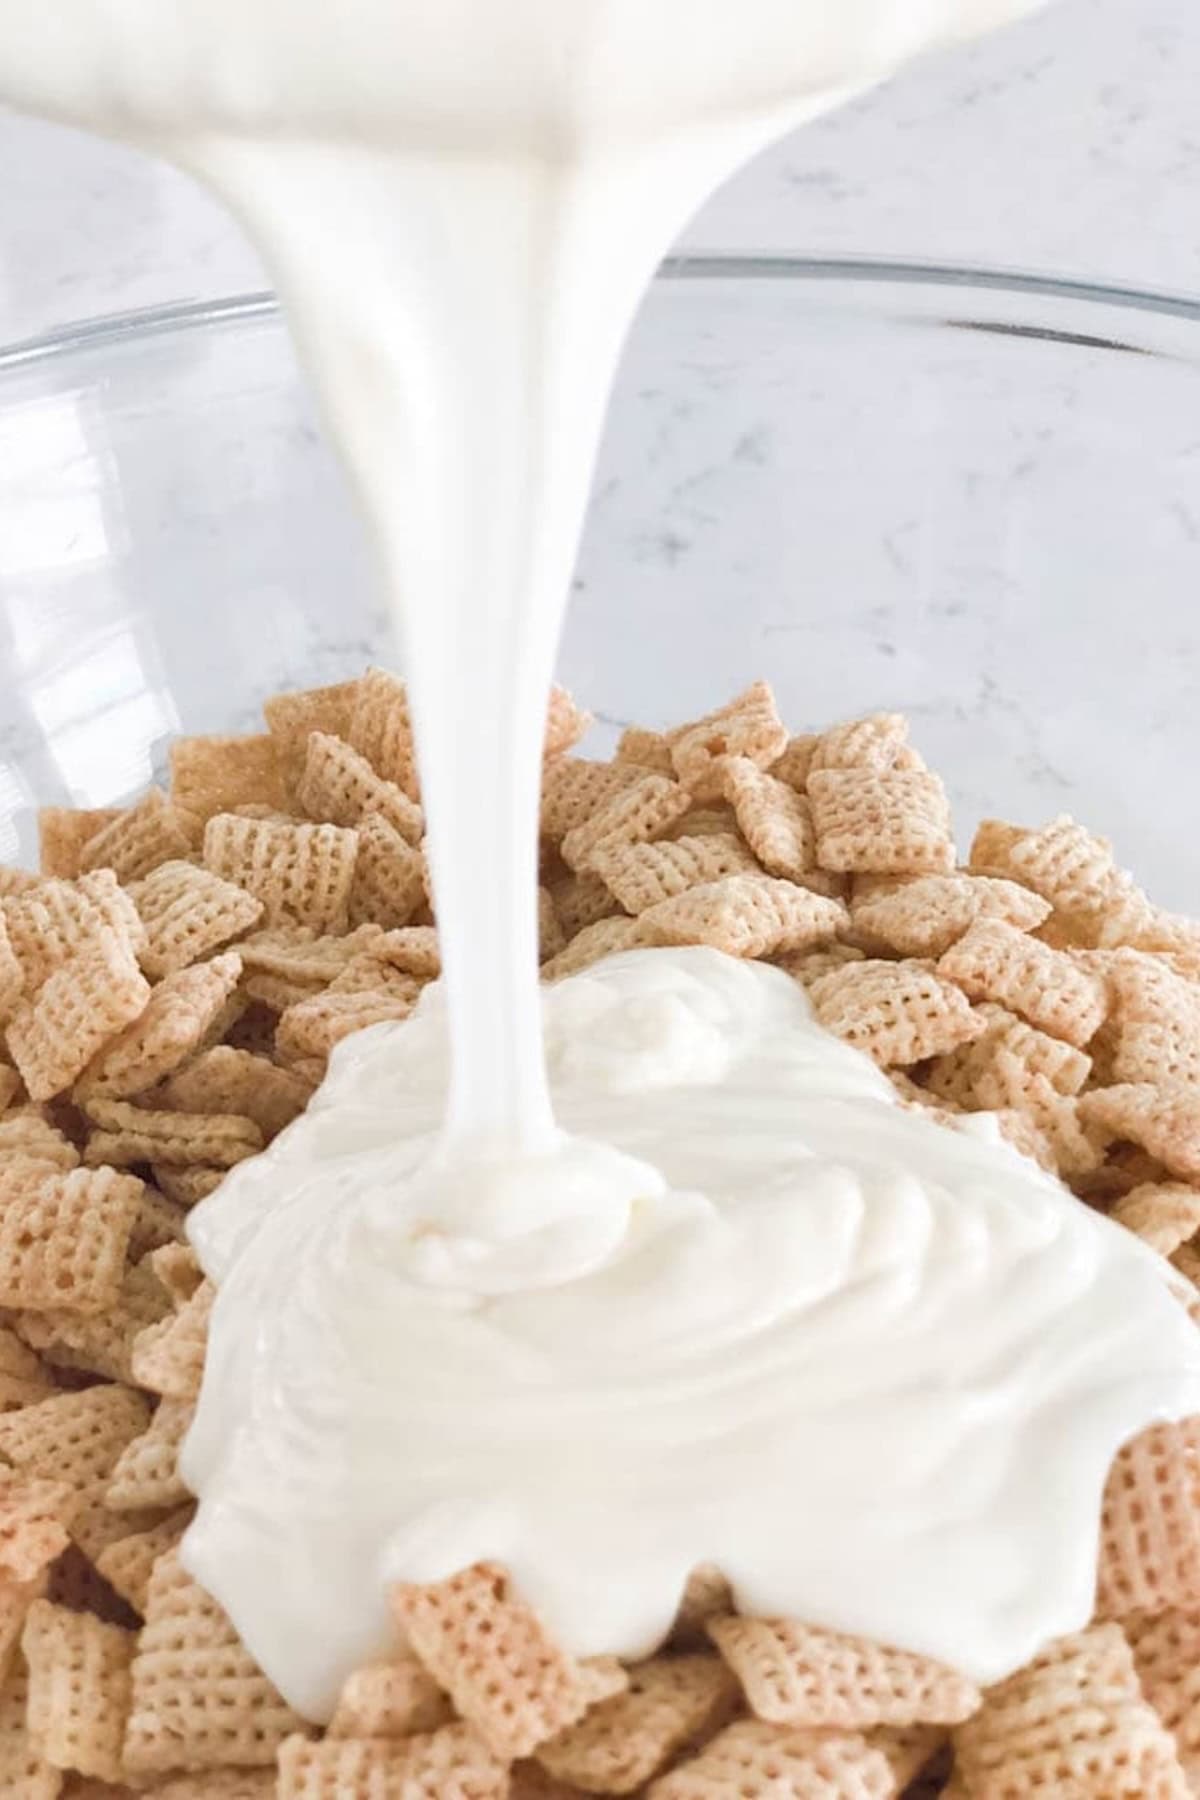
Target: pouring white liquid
462,201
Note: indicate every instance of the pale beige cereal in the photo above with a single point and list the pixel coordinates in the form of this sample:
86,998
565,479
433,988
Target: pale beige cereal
648,749
177,1270
1166,1655
178,1016
198,1700
1072,1724
638,876
153,831
450,1764
1150,1529
795,1674
292,718
1165,1214
23,1378
636,815
492,1655
749,726
746,915
607,937
566,723
580,901
899,1013
189,912
302,873
994,961
303,958
374,995
62,833
381,729
135,1134
84,1003
992,847
1007,1085
65,1242
1157,1021
219,774
808,966
886,823
158,1222
671,1702
1069,865
102,1342
754,1761
390,1700
78,1689
957,1076
340,786
33,1531
225,1080
707,1595
573,789
127,1563
147,1472
1164,1121
389,880
795,765
774,819
184,1187
878,742
413,949
713,818
214,1784
52,921
925,916
24,1775
75,1438
168,1358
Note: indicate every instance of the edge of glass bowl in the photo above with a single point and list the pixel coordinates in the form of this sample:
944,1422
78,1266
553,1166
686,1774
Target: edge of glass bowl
700,266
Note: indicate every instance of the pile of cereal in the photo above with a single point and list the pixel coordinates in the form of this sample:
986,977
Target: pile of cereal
171,986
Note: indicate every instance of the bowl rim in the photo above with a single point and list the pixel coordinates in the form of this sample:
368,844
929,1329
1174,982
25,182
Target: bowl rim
127,327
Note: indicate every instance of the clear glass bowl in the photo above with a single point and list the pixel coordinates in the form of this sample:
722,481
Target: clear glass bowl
971,496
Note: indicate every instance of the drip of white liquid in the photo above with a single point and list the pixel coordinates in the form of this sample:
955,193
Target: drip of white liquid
462,202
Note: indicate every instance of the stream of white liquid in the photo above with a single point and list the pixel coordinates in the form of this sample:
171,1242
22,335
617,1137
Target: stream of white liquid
751,1312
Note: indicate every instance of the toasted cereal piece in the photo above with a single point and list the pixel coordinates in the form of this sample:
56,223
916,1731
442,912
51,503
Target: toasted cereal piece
706,1596
219,774
878,742
491,1654
795,1674
78,1689
808,966
670,1703
580,901
199,1701
899,1013
573,789
1166,1655
168,1358
924,917
189,912
886,823
33,1531
992,846
389,880
1164,1214
450,1764
54,920
75,1438
292,718
763,1762
23,1378
566,723
313,1027
1164,1121
957,1076
607,937
749,726
153,831
745,915
133,1134
1007,1085
1072,1723
225,1080
158,1222
1157,1021
773,818
340,786
1150,1526
178,1272
412,949
102,1343
127,1563
713,819
213,1784
795,765
302,957
640,875
647,749
994,961
1067,864
62,833
380,729
185,1187
86,1001
178,1016
64,1245
147,1472
302,873
551,937
24,1774
390,1700
635,815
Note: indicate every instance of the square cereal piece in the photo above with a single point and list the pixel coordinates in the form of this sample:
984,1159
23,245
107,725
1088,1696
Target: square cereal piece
199,1701
178,1016
1150,1524
225,1080
64,1243
925,916
75,1438
168,1358
796,1674
53,920
339,785
898,1013
1165,1121
958,1076
450,1764
152,831
574,788
492,1655
1166,1655
127,1563
62,833
189,912
1072,1724
78,1689
671,1702
1067,864
147,1471
749,726
993,961
580,901
879,742
390,877
292,718
634,815
1164,1214
133,1134
566,723
24,1775
774,819
883,823
314,1027
746,915
607,937
647,749
185,1187
390,1700
302,873
32,1527
795,765
766,1762
85,1002
380,729
218,774
1007,1086
638,876
1156,1020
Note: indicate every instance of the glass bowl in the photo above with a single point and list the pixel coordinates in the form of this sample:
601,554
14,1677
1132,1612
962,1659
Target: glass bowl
971,496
